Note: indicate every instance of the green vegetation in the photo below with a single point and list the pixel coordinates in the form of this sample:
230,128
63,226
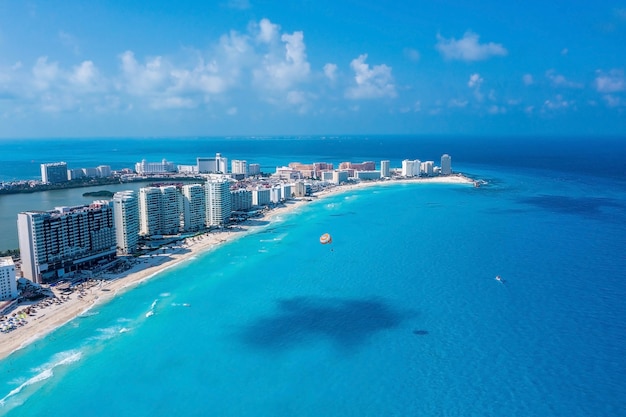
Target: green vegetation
102,193
14,253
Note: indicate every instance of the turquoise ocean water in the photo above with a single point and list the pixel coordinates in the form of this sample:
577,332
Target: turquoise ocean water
399,316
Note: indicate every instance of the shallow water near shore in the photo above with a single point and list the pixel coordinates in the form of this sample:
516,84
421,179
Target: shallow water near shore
400,315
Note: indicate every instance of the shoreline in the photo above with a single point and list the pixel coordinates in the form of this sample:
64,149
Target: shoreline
109,285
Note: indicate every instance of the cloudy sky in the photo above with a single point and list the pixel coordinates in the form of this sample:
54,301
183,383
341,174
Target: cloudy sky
259,67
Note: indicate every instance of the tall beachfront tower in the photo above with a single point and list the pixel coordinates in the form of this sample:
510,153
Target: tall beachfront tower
8,284
446,164
194,207
411,168
218,202
65,240
149,211
54,173
385,169
171,210
254,169
239,167
126,215
221,163
241,199
160,210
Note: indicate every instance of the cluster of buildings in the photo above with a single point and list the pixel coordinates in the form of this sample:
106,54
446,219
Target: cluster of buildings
58,172
204,165
67,240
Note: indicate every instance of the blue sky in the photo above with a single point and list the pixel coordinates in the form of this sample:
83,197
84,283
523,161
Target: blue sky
246,67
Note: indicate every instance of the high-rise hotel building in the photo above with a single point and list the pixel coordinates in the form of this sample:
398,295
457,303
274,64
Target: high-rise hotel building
159,210
218,202
194,207
385,169
239,167
446,164
54,173
8,284
411,168
67,239
126,215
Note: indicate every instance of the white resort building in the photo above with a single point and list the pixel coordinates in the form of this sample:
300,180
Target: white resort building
159,210
446,164
385,168
239,167
411,168
126,215
194,207
218,202
8,283
163,167
65,240
54,173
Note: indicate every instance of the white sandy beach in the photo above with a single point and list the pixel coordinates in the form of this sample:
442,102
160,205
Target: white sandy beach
49,318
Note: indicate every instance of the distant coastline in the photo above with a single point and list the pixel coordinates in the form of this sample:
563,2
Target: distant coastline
103,288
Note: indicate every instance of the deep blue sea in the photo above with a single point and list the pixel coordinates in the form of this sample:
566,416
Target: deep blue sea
399,316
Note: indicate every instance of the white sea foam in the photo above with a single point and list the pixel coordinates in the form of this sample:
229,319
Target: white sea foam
43,373
165,294
152,306
106,333
88,314
42,376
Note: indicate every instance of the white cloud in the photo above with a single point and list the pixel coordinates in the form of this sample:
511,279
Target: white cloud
558,80
494,109
558,103
44,73
375,82
528,79
412,54
86,77
69,42
455,102
268,31
468,48
282,72
620,13
475,80
613,101
296,97
330,71
143,79
612,82
172,102
203,78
